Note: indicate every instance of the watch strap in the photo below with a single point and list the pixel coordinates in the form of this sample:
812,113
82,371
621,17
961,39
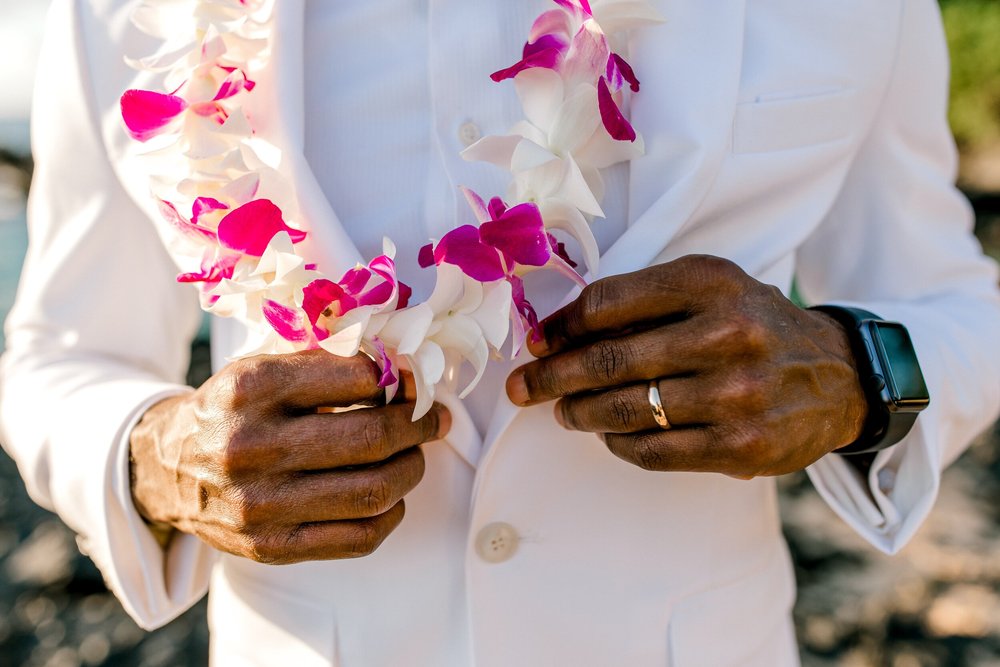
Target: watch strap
882,429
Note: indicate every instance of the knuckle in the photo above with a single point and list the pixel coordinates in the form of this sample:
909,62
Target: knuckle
246,510
623,411
236,453
646,453
375,497
365,539
377,434
607,360
593,301
260,548
243,382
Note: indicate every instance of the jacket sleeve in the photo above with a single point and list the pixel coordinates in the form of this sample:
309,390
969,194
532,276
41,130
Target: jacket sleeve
899,242
99,332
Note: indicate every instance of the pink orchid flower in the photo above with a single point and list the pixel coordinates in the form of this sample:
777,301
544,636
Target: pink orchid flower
507,243
570,42
336,315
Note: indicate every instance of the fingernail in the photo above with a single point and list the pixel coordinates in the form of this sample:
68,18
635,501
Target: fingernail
517,388
538,347
444,421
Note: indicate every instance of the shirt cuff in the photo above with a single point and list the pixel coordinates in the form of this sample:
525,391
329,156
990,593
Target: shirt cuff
154,585
888,505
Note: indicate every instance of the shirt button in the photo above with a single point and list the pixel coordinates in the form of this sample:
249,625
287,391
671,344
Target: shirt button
497,542
469,133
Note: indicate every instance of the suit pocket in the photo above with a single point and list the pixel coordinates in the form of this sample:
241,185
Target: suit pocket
746,623
784,122
255,624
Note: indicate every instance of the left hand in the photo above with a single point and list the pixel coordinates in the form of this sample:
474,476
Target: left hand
750,383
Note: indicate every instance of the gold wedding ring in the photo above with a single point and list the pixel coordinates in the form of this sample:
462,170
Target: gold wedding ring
657,405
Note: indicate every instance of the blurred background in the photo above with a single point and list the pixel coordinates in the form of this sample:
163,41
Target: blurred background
937,603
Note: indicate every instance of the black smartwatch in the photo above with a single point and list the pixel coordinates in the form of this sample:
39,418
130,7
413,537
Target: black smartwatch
890,376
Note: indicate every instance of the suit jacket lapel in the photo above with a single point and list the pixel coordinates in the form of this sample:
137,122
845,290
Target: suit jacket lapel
690,69
279,117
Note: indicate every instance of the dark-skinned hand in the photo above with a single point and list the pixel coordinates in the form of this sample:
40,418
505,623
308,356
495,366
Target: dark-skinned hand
256,465
750,383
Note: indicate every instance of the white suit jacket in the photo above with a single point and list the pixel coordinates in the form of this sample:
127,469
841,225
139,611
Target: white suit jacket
802,139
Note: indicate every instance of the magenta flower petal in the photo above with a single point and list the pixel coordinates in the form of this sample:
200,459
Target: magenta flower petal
545,43
147,113
552,22
249,228
203,205
425,257
405,292
496,208
212,271
355,280
385,363
377,295
519,234
547,58
173,216
614,122
236,82
463,248
619,72
558,249
581,6
524,307
285,321
324,295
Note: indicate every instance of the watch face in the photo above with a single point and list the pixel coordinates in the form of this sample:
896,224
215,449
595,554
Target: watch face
899,359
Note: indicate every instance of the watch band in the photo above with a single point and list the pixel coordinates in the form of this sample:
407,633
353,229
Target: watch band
882,428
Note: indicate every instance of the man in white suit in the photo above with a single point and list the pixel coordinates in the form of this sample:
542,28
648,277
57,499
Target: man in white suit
784,140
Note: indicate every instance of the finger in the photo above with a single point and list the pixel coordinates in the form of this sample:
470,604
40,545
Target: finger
347,494
628,410
303,381
673,349
680,449
357,437
327,540
619,303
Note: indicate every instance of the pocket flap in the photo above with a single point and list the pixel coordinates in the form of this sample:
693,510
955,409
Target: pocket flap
778,123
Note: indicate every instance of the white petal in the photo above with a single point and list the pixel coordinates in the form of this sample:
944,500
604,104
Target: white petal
529,155
559,214
448,290
493,316
541,93
493,149
576,120
427,365
575,189
346,342
406,329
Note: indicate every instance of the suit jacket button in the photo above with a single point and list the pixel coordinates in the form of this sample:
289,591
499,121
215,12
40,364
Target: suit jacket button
497,542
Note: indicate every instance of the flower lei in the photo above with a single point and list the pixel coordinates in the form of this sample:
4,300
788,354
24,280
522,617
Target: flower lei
240,237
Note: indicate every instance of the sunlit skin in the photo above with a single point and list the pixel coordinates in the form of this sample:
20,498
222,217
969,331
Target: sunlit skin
751,383
254,464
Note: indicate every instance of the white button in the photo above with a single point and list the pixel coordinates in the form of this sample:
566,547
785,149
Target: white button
497,542
469,133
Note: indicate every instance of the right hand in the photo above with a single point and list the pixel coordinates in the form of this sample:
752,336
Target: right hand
250,465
